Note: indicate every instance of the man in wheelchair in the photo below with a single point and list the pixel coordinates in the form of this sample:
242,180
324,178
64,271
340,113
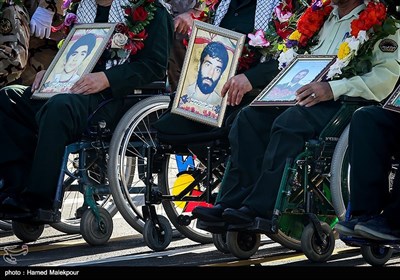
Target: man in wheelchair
374,206
35,132
263,138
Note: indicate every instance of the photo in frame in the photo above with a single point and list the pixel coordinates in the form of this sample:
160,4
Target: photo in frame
211,59
302,70
77,56
393,102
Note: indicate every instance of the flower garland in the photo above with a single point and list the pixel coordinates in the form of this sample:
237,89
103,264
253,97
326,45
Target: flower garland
354,53
271,42
128,37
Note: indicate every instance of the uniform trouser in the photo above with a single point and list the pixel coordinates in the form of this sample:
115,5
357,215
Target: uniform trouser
35,133
373,140
262,139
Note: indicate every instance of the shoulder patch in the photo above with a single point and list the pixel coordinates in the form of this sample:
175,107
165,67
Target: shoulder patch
388,45
5,26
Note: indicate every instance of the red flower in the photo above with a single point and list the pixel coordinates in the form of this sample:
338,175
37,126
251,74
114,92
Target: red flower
140,14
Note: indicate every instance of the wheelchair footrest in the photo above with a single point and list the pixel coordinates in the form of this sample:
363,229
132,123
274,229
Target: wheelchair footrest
38,216
213,227
259,225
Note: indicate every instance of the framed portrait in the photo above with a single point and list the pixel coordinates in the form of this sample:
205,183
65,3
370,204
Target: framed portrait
393,103
77,56
211,59
304,69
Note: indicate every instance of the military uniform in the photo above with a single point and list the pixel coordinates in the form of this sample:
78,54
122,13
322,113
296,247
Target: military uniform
14,42
240,18
373,140
262,138
36,148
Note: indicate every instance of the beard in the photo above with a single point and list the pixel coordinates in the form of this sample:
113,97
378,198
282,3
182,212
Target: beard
204,87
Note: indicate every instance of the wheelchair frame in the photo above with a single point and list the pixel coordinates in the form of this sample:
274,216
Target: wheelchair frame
307,207
83,180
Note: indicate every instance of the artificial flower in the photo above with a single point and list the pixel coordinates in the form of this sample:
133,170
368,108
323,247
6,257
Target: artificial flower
128,37
353,57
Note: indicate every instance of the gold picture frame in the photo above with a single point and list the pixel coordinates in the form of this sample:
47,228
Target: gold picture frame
393,102
211,59
77,56
302,70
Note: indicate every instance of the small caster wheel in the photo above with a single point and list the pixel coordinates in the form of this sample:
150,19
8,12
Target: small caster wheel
376,255
27,232
93,231
242,244
313,248
219,240
157,237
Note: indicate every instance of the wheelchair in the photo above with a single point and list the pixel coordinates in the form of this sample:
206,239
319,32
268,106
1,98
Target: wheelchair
83,202
174,174
374,252
311,198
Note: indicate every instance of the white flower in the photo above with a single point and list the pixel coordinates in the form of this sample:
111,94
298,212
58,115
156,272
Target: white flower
354,44
335,69
286,57
362,36
119,40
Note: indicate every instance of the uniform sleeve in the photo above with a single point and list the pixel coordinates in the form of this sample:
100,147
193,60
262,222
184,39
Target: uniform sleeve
150,63
262,74
14,43
381,80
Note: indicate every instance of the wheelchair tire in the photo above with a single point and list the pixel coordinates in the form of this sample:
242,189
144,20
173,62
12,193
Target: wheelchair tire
312,248
96,232
376,255
286,241
125,180
175,209
243,244
219,240
155,239
339,183
27,232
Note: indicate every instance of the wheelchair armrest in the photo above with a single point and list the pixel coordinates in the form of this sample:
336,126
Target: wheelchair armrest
157,87
356,100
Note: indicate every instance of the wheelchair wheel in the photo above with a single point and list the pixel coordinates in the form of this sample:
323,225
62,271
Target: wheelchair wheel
27,232
376,255
172,182
96,232
157,238
131,135
219,240
5,225
339,183
72,207
243,244
314,249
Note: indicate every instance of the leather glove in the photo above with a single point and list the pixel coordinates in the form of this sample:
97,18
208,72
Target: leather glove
41,23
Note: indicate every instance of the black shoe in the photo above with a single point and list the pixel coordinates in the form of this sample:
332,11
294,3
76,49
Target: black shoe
213,227
209,214
243,215
377,228
16,205
346,228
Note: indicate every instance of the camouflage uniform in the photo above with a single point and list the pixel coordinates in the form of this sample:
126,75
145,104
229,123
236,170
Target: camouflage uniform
14,42
41,51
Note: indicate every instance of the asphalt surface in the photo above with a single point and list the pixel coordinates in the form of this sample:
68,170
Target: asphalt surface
56,252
